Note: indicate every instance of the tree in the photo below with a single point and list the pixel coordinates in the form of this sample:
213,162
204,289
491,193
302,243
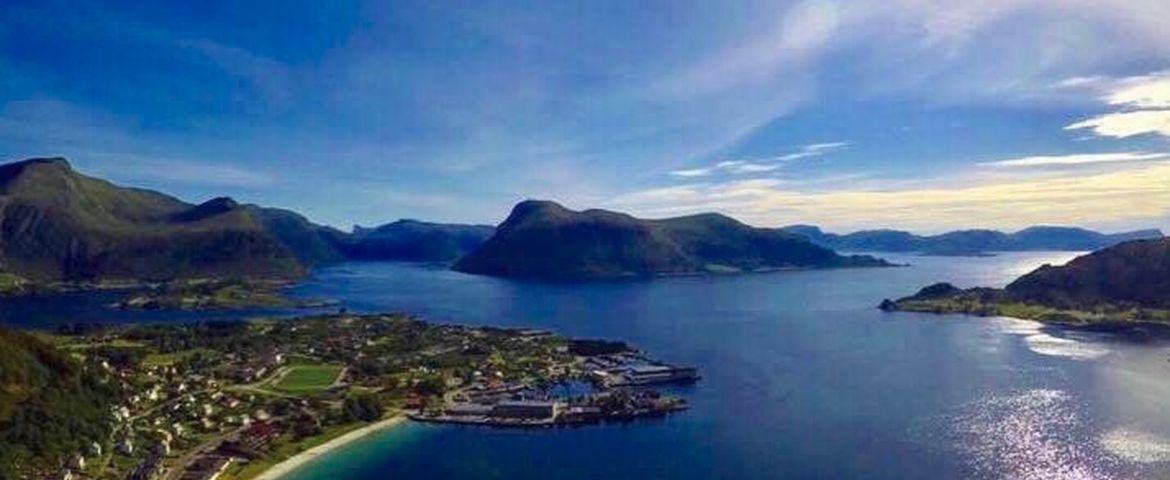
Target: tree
305,425
364,408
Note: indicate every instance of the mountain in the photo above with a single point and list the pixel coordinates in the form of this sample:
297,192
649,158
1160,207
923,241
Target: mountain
312,244
1133,273
413,240
50,407
543,240
57,224
971,242
1071,238
1126,282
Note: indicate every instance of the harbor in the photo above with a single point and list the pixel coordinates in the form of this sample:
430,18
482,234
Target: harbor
593,389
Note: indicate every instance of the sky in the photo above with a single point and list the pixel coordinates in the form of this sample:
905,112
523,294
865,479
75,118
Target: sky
910,114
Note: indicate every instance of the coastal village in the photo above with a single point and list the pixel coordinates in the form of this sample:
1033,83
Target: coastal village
229,400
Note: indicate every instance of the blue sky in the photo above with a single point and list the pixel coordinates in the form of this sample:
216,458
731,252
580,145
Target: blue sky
909,114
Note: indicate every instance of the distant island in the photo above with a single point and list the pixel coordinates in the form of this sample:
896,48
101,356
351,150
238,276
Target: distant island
971,242
215,294
1123,284
545,241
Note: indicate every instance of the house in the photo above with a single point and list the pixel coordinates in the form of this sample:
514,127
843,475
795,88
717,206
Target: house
259,435
165,435
148,469
126,447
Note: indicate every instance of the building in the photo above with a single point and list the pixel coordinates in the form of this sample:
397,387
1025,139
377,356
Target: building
651,374
526,409
469,410
582,414
126,447
253,441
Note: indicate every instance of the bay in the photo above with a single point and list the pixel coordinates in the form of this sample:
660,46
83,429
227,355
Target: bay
803,378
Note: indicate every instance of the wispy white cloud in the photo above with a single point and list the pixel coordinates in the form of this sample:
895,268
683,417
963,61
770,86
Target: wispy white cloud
812,150
1127,124
1135,196
1144,99
1145,91
192,172
763,165
1077,159
693,172
799,35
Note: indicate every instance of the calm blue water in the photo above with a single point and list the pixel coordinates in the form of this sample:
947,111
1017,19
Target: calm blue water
92,307
803,378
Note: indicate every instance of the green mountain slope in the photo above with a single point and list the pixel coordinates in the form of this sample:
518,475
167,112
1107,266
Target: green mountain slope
543,240
57,224
49,407
1133,273
1123,283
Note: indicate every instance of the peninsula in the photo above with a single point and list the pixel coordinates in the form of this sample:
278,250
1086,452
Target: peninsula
1121,285
234,399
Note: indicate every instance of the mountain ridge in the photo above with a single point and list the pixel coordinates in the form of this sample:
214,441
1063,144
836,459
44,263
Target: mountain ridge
415,240
58,224
1124,283
971,241
543,240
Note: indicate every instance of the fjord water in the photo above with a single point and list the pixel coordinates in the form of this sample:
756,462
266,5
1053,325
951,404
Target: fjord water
803,378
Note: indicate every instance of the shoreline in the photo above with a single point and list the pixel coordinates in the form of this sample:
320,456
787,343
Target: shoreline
1110,326
299,460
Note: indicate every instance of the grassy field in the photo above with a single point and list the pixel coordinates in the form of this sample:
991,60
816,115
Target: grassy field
307,378
174,357
1101,315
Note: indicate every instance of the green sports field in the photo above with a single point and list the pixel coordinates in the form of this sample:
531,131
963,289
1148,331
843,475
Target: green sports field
308,378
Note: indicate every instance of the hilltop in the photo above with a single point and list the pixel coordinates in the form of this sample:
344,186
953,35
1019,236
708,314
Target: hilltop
57,224
544,240
1124,283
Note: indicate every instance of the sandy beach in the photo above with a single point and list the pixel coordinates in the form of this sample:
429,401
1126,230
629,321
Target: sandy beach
283,468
